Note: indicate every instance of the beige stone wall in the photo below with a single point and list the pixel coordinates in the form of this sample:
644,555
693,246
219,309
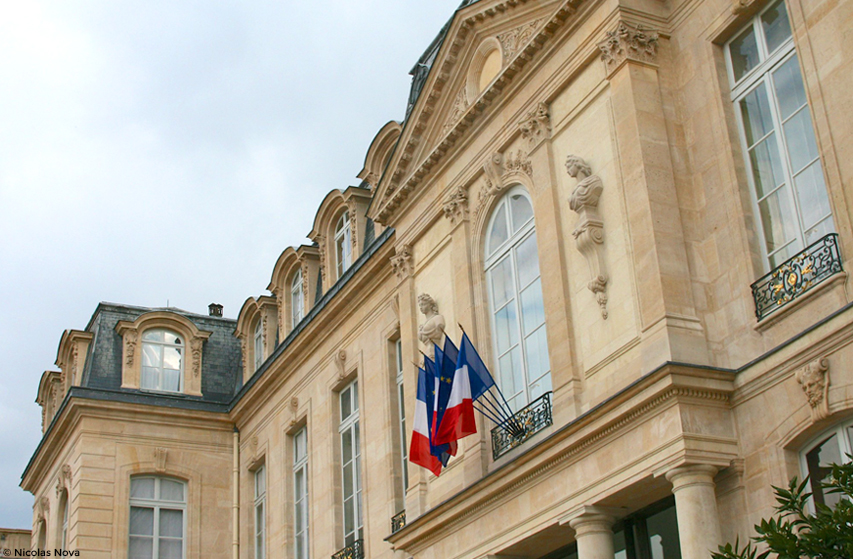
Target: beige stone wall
11,538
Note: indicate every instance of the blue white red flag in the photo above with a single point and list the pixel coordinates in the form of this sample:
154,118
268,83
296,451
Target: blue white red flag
434,369
420,450
445,368
471,379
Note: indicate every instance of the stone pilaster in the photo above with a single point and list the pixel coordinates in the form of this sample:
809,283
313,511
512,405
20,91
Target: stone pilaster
696,509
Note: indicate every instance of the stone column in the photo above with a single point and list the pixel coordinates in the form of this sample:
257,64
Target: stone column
594,533
696,509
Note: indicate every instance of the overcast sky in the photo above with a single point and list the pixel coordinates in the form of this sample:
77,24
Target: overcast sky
160,151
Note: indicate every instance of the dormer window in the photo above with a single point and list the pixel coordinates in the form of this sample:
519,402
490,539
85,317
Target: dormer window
296,299
343,244
162,361
259,344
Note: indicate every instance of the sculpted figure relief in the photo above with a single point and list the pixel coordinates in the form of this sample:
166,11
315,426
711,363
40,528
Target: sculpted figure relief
431,331
589,187
814,379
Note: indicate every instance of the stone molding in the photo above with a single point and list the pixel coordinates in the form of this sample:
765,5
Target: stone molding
512,41
589,230
160,456
499,171
536,126
814,380
401,262
460,103
628,42
456,206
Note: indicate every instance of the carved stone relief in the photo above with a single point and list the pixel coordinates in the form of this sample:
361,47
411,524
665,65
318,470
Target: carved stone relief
814,379
536,126
628,41
340,358
739,6
401,262
294,407
63,480
160,455
353,225
497,170
195,350
456,206
432,330
589,231
458,109
130,340
513,40
321,248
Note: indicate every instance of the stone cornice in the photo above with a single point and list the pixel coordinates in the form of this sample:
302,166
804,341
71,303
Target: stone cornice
395,189
671,384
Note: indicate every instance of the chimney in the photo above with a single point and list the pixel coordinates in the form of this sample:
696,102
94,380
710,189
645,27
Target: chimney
214,309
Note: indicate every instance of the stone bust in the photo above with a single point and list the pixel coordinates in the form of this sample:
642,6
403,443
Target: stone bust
589,187
431,331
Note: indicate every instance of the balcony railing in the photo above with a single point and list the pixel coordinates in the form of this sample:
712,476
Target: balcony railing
796,276
525,423
398,521
354,551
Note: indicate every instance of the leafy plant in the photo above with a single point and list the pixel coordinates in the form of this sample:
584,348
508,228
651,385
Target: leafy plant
797,533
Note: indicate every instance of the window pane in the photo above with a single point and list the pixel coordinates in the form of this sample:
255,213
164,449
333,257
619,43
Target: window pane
512,376
299,445
619,545
757,119
506,324
346,447
502,283
821,229
348,486
171,490
784,254
743,53
532,310
153,335
151,355
528,261
498,234
346,407
520,210
140,548
171,380
172,358
767,170
777,29
349,515
141,521
788,83
777,218
811,193
170,549
170,337
818,461
800,137
663,535
149,378
171,523
355,403
142,488
536,347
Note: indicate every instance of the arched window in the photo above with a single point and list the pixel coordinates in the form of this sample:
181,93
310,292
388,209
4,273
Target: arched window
42,527
259,343
296,299
343,244
157,509
515,298
63,514
832,447
162,360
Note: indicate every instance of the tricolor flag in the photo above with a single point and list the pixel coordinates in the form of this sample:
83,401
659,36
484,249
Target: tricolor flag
471,379
433,370
445,367
421,450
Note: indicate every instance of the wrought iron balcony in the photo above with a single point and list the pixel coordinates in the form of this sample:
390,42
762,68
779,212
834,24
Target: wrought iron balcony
796,276
525,423
398,521
354,551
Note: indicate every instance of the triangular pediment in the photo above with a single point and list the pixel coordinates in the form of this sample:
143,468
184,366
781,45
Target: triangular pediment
485,45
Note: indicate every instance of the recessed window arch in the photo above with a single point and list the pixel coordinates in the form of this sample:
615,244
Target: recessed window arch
297,299
62,536
158,507
343,244
519,336
485,66
162,360
831,447
259,343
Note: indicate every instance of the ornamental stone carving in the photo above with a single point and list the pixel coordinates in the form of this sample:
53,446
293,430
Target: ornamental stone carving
460,103
512,41
589,231
130,340
628,42
321,249
814,379
340,359
195,350
401,262
456,206
536,126
160,455
294,408
498,170
432,331
739,6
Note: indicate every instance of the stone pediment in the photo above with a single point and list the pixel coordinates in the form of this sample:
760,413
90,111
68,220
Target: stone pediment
464,79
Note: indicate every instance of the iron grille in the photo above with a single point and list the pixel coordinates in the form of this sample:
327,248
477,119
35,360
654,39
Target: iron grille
398,521
354,551
525,423
796,276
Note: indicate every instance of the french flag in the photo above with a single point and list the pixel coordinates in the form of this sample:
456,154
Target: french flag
470,380
444,367
421,451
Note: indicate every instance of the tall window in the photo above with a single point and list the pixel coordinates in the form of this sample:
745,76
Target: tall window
162,360
296,299
259,343
777,136
343,244
832,448
515,295
351,464
401,407
300,493
157,527
63,511
260,512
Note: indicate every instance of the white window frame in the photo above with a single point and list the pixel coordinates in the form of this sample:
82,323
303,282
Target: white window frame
260,511
157,505
401,410
508,250
297,299
159,370
761,76
349,429
343,244
844,436
301,548
63,533
259,343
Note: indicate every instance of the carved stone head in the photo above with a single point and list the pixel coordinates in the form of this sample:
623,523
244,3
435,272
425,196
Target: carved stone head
427,304
813,379
575,164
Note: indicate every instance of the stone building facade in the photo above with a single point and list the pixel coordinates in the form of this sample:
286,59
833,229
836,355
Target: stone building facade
638,212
